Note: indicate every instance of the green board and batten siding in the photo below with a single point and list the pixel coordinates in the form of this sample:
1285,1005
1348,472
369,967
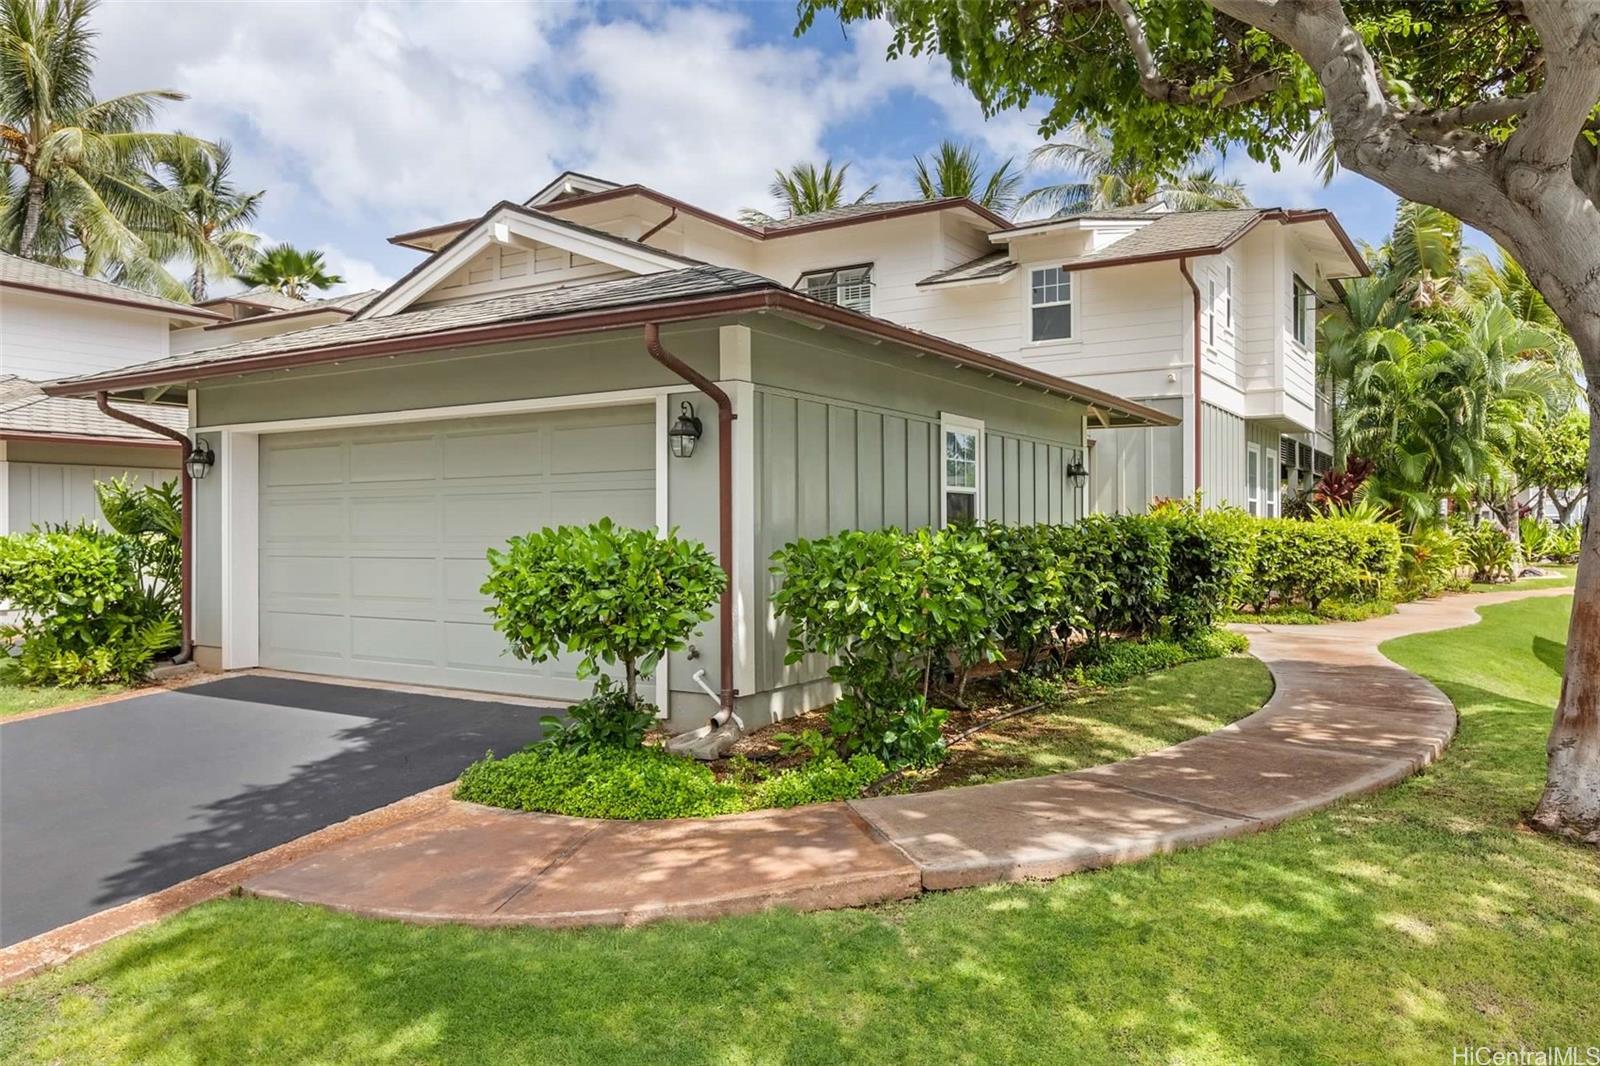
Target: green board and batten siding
852,441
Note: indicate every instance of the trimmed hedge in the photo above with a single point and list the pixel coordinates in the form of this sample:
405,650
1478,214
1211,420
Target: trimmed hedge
1324,559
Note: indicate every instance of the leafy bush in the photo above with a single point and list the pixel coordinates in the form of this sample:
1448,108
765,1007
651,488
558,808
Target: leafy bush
615,595
607,719
1548,542
810,741
644,783
1209,554
1489,551
1566,543
1122,563
1327,558
83,612
150,517
609,783
1041,609
820,780
1429,558
1117,661
884,604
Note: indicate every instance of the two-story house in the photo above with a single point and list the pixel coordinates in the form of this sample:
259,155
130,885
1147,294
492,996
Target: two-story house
607,350
1207,315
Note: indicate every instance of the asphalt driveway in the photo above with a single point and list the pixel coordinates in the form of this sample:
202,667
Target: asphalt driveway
102,805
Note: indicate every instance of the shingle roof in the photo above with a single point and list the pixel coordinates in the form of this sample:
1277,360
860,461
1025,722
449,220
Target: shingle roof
778,225
27,274
515,307
24,408
983,268
1174,234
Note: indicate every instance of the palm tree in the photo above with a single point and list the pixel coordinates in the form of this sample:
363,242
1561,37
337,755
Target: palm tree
956,170
805,190
212,214
291,271
73,164
1107,181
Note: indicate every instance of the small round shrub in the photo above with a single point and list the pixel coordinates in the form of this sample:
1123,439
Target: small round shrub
821,780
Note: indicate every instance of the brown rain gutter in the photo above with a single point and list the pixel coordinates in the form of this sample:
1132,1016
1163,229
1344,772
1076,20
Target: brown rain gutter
725,417
186,594
1183,266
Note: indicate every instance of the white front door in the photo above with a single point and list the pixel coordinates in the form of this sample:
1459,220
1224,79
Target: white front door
373,540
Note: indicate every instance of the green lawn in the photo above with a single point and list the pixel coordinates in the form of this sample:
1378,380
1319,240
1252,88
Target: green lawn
19,699
1569,574
1388,929
1087,729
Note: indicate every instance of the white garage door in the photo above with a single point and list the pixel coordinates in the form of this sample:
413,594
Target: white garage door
373,540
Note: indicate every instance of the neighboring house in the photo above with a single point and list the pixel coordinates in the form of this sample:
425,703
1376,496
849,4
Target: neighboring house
508,383
54,323
1116,299
257,313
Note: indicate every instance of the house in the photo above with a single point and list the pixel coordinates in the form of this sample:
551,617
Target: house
1157,306
527,373
260,312
55,323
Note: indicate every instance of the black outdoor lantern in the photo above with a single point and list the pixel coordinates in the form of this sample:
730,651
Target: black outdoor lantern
684,432
1077,472
200,459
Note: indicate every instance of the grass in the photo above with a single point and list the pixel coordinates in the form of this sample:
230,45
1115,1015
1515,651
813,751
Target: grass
1299,615
1569,574
1106,725
1391,928
20,699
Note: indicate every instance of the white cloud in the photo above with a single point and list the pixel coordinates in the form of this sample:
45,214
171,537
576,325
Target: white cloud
358,274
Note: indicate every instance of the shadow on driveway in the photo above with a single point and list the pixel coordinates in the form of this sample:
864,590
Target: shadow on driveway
105,804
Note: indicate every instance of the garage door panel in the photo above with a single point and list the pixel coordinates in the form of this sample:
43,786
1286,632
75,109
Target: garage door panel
306,464
395,460
492,518
374,540
488,455
593,449
308,576
635,508
303,520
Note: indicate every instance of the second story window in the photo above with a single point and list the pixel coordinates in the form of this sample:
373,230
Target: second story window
846,286
1050,305
1302,311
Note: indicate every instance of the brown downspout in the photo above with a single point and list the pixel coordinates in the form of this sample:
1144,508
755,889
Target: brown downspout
725,417
1183,266
658,227
186,595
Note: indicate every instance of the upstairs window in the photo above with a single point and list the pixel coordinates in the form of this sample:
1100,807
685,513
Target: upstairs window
849,286
1050,305
1211,310
961,473
1302,310
1227,296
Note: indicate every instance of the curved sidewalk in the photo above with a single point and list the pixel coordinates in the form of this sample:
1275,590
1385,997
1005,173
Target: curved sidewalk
1343,720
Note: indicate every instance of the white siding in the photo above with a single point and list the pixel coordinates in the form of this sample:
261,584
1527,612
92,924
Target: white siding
44,337
48,493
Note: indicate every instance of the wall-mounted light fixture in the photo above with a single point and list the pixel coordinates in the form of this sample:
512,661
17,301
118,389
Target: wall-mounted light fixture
1077,472
685,432
200,459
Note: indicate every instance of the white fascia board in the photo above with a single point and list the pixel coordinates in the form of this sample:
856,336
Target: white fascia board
971,283
509,227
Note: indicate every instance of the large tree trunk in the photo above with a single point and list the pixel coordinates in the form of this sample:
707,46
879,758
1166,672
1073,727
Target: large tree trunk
1571,801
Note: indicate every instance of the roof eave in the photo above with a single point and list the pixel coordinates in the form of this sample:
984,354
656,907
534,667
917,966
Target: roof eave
44,437
771,298
174,311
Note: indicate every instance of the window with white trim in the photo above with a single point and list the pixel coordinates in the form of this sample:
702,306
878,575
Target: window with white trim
1302,310
1211,309
1049,304
961,470
1252,479
849,286
1227,296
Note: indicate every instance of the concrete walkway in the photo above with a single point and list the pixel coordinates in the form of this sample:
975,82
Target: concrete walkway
1342,721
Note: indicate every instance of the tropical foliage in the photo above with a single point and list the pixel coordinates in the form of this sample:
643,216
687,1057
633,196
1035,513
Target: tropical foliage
211,216
1106,180
292,271
805,189
956,170
75,170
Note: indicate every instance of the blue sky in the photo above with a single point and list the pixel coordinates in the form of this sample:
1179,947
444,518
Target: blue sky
364,119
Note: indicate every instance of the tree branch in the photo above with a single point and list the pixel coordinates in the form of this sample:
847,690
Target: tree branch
1569,36
1168,91
1476,113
